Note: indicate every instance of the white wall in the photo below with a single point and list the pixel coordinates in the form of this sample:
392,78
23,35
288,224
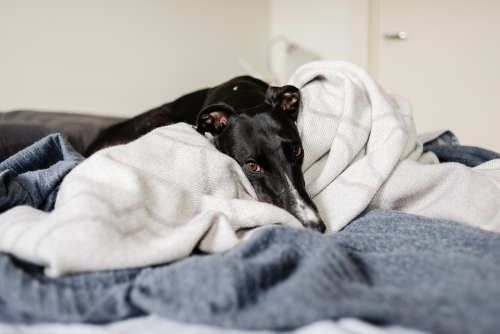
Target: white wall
331,29
122,57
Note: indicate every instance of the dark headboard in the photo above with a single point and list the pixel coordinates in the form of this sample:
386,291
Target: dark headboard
21,128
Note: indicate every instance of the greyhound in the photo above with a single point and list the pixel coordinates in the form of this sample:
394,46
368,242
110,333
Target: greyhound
251,122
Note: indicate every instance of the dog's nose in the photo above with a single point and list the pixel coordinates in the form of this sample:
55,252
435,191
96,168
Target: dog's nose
317,225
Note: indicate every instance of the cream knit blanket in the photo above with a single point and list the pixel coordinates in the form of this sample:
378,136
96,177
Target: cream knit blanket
158,198
361,149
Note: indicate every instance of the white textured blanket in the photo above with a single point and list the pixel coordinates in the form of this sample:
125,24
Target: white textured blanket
361,149
158,198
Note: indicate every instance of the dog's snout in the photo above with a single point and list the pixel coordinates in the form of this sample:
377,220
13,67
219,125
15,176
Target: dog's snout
316,225
302,207
310,218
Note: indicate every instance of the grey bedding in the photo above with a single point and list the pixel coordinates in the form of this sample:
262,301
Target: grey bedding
21,128
385,267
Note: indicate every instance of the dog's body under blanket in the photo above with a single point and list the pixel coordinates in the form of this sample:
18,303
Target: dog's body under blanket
158,198
240,93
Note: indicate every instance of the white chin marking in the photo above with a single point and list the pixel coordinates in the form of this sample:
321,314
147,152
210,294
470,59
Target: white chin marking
305,212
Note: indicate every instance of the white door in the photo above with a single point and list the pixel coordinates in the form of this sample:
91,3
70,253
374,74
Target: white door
448,66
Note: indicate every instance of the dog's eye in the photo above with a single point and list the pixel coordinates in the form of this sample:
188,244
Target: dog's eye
252,166
297,152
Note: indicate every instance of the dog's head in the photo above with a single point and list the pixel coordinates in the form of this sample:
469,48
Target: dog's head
265,141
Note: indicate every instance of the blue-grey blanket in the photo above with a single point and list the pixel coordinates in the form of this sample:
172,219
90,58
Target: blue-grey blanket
385,267
33,176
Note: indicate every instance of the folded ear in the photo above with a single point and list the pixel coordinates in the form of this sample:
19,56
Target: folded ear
286,98
214,118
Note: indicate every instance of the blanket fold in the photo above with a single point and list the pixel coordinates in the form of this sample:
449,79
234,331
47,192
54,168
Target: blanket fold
354,133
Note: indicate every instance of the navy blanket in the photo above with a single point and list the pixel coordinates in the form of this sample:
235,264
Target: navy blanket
385,267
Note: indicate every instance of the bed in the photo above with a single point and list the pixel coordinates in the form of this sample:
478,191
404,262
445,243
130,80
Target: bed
386,269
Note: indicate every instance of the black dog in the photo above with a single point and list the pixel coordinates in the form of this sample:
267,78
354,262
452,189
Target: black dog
252,123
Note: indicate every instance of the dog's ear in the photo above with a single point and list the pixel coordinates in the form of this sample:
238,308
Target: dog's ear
214,118
286,98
